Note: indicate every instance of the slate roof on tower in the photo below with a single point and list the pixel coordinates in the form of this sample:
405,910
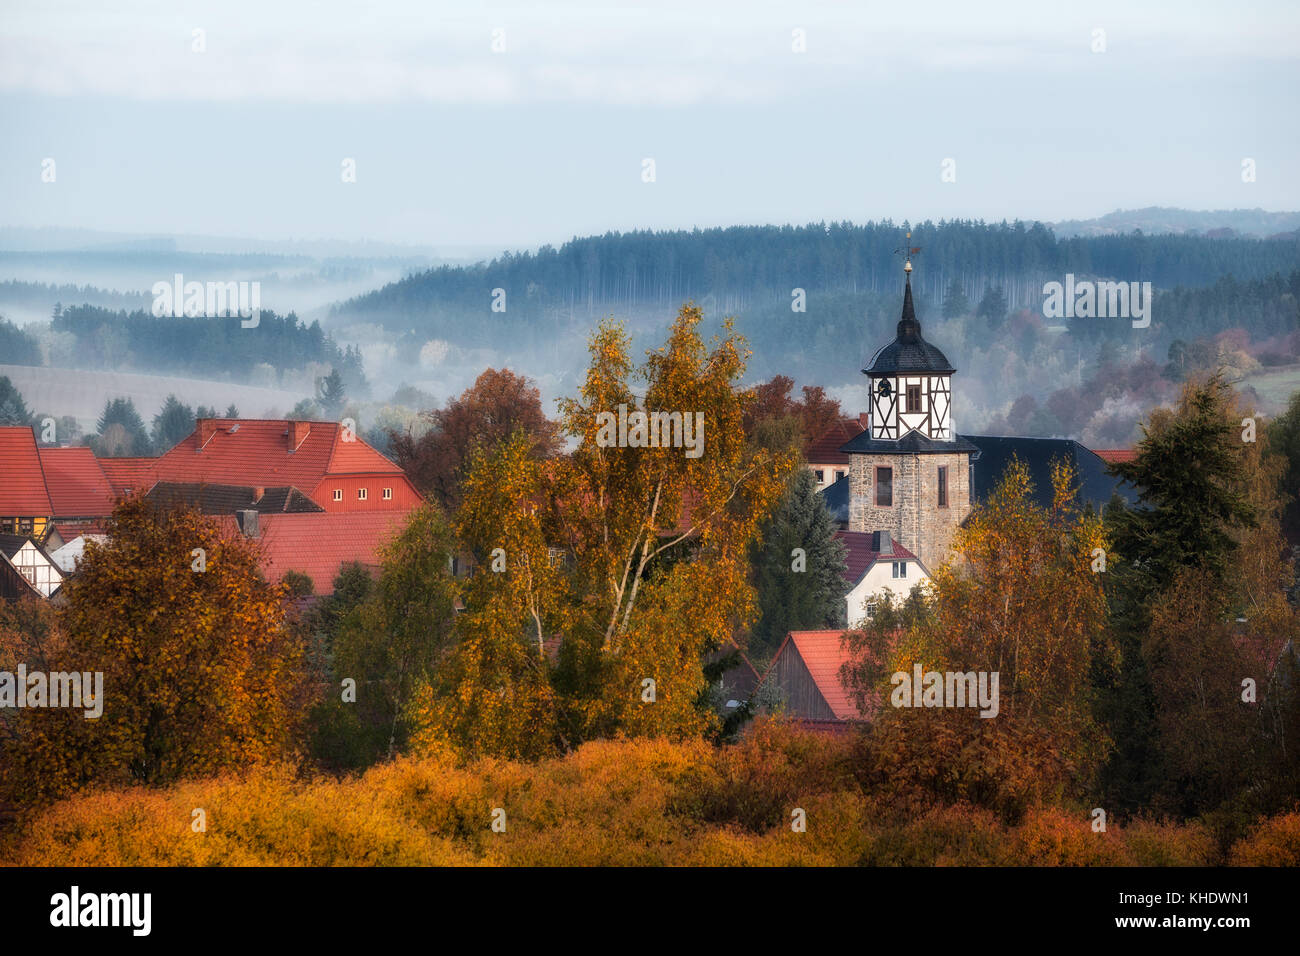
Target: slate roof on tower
909,352
913,443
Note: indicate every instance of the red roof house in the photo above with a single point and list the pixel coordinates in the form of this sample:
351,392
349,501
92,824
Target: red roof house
128,475
23,492
825,450
333,467
805,673
319,543
1113,456
78,486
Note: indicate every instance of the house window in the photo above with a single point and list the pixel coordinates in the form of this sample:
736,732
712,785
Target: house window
361,494
821,475
840,473
388,494
913,398
338,494
943,486
884,487
871,610
900,569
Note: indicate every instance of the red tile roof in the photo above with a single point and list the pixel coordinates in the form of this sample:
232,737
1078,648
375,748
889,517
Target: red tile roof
78,486
129,474
318,544
23,492
250,452
823,654
825,450
1113,456
862,554
275,453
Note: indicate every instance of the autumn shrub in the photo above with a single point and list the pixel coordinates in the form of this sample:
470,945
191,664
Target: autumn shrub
640,802
1276,842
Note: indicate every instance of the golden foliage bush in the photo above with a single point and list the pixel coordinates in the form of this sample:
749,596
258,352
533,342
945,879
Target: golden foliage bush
1276,842
620,802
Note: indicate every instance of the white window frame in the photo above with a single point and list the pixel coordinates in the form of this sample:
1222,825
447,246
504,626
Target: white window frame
362,494
338,494
388,494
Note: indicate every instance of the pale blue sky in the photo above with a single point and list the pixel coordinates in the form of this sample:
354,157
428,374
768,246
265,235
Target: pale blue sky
455,143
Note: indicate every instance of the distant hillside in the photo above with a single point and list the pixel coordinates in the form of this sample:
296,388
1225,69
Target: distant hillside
737,270
1160,220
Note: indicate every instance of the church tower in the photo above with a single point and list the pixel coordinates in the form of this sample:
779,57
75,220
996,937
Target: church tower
909,471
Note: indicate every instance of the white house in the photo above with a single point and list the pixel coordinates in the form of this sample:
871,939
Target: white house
877,564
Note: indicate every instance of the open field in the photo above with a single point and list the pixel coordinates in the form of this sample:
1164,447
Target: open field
1275,385
81,394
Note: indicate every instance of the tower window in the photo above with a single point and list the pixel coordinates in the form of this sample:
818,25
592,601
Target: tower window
884,487
913,398
943,486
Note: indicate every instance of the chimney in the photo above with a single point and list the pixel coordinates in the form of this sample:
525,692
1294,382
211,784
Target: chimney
247,519
297,434
257,494
883,543
864,419
207,428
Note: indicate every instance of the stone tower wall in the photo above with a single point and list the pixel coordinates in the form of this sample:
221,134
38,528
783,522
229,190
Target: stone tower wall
915,517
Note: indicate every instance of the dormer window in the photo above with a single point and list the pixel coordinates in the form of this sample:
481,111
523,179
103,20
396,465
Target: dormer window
361,494
388,494
338,494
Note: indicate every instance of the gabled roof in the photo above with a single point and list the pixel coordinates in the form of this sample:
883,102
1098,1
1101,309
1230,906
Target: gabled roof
11,544
319,544
909,352
823,653
129,474
78,486
1096,486
257,452
826,449
13,583
227,499
861,554
23,492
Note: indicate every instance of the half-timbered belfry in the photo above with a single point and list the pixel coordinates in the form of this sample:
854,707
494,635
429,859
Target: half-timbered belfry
909,472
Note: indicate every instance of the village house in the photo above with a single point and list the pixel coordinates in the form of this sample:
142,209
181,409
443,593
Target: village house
876,565
313,494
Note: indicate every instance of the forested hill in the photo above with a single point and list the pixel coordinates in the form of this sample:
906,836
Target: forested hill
735,269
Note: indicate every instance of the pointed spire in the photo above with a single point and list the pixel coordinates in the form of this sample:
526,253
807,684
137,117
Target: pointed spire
909,329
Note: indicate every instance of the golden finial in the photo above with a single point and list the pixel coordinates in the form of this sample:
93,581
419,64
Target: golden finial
908,251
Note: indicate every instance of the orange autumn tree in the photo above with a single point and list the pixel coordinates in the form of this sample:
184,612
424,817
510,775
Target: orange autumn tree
200,672
1022,598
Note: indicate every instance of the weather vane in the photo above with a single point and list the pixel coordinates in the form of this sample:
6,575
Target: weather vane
907,250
